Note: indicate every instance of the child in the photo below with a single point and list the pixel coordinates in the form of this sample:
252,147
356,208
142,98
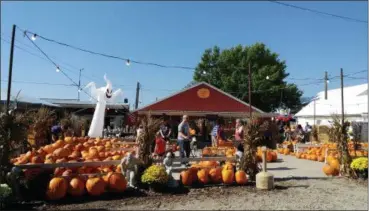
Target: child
160,145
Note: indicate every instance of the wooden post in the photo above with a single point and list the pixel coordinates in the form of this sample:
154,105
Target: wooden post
326,85
263,149
137,95
314,110
10,69
250,91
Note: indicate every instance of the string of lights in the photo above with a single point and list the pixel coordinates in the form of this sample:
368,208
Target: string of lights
58,68
73,71
319,12
129,61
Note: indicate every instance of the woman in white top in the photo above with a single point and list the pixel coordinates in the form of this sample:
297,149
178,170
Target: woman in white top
138,132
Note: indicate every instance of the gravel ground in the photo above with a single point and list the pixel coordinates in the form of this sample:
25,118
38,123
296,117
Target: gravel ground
290,193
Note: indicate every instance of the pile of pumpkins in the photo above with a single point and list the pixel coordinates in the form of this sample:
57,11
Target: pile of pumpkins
72,150
218,151
206,172
271,156
76,150
77,186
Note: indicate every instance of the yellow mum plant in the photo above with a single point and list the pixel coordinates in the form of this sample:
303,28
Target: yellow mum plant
359,164
155,174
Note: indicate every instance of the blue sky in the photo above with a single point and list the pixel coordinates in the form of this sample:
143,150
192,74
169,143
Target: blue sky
176,33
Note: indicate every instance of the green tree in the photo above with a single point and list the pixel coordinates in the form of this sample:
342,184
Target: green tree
228,70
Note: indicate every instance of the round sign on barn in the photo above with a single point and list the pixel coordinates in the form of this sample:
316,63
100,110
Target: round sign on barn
203,93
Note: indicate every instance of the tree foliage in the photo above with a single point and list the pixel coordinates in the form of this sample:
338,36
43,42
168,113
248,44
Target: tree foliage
228,70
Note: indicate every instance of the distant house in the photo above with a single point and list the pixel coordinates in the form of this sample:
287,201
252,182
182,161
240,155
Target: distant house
355,106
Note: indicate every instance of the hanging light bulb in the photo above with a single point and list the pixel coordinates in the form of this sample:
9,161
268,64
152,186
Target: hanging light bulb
267,77
79,90
128,62
57,69
204,72
33,38
328,81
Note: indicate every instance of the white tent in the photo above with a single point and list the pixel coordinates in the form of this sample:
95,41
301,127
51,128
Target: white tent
355,106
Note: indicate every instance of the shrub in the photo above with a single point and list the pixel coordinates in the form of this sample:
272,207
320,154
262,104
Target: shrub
155,174
359,164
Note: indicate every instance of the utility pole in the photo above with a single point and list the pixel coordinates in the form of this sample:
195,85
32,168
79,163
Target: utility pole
137,94
326,85
342,101
314,111
79,83
10,69
250,91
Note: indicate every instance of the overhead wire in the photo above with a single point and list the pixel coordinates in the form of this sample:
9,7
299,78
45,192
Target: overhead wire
319,12
128,59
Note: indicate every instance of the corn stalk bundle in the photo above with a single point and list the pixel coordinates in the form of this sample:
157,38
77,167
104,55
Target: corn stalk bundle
254,131
339,134
150,127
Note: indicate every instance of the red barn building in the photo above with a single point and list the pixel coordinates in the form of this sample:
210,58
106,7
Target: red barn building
201,100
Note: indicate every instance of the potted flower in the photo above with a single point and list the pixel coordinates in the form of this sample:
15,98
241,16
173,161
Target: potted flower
156,177
360,166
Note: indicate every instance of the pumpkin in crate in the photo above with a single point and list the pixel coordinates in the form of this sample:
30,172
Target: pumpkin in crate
269,156
186,178
95,186
61,153
116,182
57,188
49,149
227,176
68,140
203,176
37,159
241,177
76,186
215,175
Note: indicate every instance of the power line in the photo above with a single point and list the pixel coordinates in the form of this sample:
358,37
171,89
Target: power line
128,61
65,68
58,68
319,12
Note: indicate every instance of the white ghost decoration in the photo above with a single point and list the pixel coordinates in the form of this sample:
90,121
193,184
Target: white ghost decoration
102,95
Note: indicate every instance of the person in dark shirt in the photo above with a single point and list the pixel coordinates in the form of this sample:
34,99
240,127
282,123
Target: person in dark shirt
56,131
165,130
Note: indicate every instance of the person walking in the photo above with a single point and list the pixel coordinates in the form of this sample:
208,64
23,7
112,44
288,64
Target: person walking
184,140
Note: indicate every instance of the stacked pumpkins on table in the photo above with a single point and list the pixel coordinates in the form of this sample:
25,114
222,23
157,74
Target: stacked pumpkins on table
73,181
206,172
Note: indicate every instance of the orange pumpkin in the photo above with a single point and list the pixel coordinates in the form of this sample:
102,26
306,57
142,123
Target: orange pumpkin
330,171
186,178
228,166
215,175
116,182
241,177
61,153
227,176
48,149
286,151
193,173
57,188
335,164
68,140
274,156
95,186
37,159
269,157
76,187
203,176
